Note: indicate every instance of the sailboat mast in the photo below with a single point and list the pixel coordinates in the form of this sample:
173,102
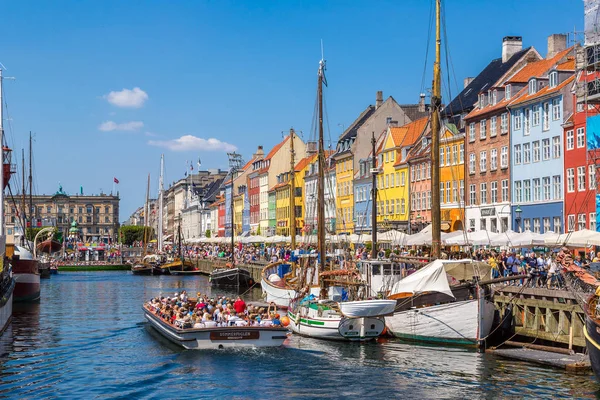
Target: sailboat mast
436,101
292,192
374,201
321,173
30,177
2,172
146,215
23,202
160,205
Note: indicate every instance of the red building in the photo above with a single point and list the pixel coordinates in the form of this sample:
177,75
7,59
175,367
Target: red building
221,222
580,178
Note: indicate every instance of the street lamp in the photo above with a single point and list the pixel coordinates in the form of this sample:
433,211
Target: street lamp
518,212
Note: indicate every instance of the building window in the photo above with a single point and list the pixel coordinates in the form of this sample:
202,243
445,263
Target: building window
504,157
482,129
532,86
483,161
536,151
581,222
507,91
536,116
493,126
494,227
483,224
454,154
472,163
553,79
581,179
556,182
570,140
527,224
518,192
546,183
448,189
493,159
483,192
556,147
505,190
527,191
518,155
571,223
462,190
494,192
429,199
402,206
461,153
593,221
546,116
472,224
580,137
472,132
441,155
557,225
504,123
494,97
537,189
442,192
526,121
472,195
546,224
517,122
592,176
570,180
546,149
555,109
454,191
526,153
536,225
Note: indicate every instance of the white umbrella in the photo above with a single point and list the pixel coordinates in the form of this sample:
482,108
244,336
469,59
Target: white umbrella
582,238
527,239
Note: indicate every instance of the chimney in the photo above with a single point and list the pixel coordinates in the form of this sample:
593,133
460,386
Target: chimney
467,81
311,148
378,99
511,45
421,102
556,43
259,153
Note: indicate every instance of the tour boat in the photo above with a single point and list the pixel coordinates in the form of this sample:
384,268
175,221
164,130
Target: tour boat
236,276
218,337
429,310
25,271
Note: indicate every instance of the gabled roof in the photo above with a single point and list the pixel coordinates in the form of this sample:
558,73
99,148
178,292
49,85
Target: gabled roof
467,98
398,133
568,65
413,113
546,90
537,68
275,149
305,161
352,130
414,130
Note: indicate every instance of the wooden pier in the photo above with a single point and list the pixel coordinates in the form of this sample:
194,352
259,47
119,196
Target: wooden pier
575,363
549,315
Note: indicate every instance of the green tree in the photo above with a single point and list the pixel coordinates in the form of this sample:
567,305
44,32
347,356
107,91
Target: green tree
31,232
133,233
207,233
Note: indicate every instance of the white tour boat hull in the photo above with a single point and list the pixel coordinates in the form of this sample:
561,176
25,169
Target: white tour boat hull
458,323
367,308
218,337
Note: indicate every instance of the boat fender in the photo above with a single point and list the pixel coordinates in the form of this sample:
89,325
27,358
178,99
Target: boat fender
251,282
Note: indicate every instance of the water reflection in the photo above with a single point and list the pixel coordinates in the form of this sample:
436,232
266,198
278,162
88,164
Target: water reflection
87,338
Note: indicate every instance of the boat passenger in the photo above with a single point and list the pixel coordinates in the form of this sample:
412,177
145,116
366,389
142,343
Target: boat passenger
276,321
239,305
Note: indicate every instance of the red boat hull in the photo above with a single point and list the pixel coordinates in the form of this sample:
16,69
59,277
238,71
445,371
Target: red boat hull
27,278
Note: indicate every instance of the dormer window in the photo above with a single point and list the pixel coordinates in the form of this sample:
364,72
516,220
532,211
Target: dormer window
507,92
494,97
532,86
481,100
553,79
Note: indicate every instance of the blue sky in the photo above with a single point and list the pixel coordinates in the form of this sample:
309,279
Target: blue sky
107,86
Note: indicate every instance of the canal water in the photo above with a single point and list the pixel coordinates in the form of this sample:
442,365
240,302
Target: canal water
87,339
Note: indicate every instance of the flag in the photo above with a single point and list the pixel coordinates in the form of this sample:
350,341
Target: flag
199,163
191,166
116,180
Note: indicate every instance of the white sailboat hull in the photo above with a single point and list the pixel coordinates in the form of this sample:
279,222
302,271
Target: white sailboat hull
280,296
460,323
367,308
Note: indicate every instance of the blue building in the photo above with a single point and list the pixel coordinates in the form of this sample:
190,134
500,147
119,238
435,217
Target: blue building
363,202
537,113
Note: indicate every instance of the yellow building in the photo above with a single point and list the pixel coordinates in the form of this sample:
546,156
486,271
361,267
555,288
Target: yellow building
344,176
301,170
282,204
452,179
393,185
238,211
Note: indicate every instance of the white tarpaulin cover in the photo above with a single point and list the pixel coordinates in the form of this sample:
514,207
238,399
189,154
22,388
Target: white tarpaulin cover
431,278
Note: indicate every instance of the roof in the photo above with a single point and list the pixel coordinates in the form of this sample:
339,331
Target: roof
248,164
275,149
305,161
413,113
467,98
546,90
537,68
353,128
414,130
208,192
568,65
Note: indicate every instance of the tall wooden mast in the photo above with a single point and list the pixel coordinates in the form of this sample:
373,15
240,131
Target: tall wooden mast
374,201
30,180
23,203
436,101
321,174
292,192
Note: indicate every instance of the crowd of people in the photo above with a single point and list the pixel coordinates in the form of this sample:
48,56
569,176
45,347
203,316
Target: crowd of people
207,312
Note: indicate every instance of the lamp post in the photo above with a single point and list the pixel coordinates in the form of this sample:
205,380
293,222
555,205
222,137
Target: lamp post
518,212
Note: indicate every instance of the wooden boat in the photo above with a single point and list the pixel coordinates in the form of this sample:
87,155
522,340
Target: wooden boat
25,271
217,337
237,276
142,269
49,246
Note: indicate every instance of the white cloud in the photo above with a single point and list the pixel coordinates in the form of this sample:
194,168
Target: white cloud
150,134
128,98
109,126
189,142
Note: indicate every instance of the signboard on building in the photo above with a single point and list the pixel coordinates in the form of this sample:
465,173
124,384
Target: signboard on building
488,212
